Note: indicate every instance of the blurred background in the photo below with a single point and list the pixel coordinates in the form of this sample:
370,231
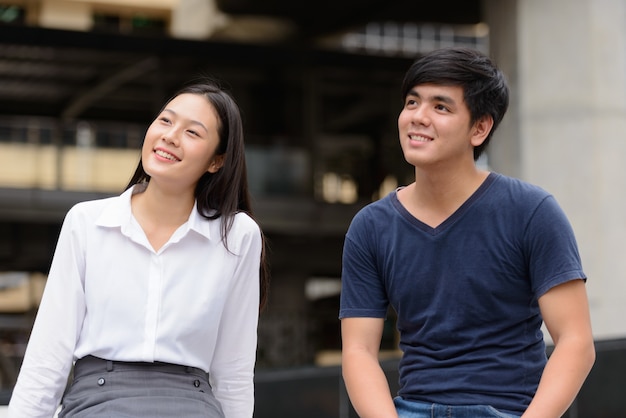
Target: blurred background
319,88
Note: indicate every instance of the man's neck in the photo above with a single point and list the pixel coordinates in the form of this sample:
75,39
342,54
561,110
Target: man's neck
433,197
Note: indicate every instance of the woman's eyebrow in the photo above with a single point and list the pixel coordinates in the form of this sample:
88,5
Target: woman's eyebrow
195,122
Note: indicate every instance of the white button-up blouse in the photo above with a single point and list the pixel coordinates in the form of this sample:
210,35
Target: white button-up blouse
109,294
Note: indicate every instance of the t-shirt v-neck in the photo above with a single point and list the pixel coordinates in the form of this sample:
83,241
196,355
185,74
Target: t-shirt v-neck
457,214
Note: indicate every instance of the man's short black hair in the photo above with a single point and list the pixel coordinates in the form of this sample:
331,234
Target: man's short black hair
485,88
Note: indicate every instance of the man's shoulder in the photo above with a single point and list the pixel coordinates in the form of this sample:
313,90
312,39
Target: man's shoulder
518,189
374,218
377,209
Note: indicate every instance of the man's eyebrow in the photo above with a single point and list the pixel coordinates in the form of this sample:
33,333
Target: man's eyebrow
436,98
444,99
412,92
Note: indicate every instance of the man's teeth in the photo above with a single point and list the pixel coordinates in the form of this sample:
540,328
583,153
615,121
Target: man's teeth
419,138
165,155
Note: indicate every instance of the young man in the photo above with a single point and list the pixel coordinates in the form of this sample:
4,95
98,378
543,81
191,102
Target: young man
471,261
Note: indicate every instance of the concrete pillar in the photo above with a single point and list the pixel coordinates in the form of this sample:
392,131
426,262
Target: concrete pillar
504,148
567,65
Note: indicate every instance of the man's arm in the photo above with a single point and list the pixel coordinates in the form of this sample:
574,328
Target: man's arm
565,312
365,380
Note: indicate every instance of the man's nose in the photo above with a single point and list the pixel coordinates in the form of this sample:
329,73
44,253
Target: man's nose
421,115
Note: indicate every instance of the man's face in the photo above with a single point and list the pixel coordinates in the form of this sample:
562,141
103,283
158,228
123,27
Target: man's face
434,126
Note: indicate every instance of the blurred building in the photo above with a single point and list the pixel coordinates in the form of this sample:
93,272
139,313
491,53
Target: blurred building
318,84
84,78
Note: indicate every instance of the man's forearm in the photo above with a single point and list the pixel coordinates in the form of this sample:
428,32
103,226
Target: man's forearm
562,379
367,386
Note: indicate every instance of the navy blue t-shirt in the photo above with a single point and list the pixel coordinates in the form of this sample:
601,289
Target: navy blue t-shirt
465,292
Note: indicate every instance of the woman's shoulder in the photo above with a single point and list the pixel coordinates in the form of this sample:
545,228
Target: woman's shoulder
91,210
243,222
92,206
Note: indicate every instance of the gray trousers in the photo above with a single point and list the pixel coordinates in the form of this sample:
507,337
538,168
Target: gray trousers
103,388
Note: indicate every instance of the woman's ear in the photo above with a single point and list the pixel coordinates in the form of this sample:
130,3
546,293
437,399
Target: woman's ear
216,164
481,130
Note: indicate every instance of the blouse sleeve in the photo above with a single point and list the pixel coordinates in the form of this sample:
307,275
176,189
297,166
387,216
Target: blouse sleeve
232,368
49,354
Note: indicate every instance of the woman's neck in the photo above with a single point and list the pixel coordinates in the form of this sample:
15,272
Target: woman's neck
161,213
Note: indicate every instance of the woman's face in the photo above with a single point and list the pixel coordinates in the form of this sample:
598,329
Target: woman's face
181,142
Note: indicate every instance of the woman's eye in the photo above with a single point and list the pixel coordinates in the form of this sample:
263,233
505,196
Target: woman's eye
164,119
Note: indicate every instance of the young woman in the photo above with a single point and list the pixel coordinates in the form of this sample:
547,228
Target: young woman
155,294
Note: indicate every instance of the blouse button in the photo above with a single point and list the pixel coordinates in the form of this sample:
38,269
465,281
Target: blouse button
196,383
101,381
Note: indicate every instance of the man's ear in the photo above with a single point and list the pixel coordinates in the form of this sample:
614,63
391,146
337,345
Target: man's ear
216,164
481,130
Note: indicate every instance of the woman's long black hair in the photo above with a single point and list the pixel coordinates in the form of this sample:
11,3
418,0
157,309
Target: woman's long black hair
225,192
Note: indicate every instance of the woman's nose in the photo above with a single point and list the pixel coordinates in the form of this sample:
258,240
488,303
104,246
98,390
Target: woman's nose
171,137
